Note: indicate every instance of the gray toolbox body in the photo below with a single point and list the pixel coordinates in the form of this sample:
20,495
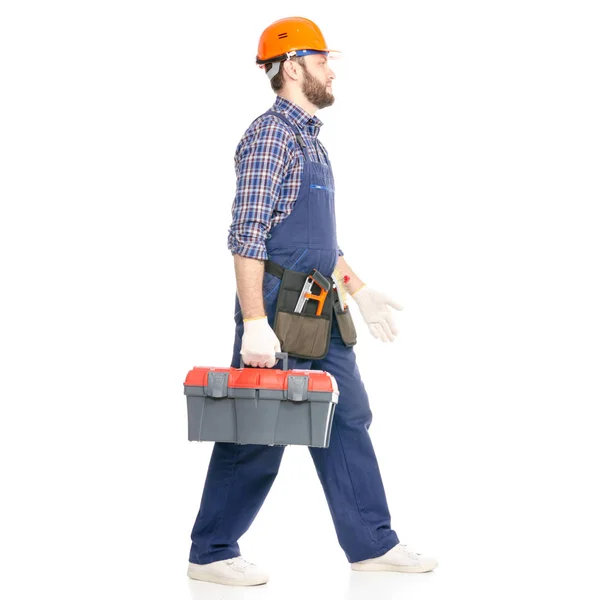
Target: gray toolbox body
261,406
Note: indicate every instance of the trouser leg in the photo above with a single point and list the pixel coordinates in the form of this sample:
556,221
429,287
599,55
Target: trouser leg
238,480
348,468
237,483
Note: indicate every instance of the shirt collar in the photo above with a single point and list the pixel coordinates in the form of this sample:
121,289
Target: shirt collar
298,116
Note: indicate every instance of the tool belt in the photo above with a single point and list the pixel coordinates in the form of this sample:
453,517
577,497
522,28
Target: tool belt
306,334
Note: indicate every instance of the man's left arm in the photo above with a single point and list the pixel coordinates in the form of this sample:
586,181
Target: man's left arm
374,306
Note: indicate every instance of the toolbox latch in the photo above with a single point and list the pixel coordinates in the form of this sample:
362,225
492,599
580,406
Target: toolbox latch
297,389
218,383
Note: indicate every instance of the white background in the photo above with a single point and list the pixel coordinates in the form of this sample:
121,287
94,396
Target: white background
465,145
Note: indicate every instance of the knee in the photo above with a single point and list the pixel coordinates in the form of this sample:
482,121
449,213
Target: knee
357,417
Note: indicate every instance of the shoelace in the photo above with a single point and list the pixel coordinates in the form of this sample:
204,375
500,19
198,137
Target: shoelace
404,548
239,563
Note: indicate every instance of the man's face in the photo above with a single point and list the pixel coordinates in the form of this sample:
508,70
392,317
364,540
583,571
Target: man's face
317,82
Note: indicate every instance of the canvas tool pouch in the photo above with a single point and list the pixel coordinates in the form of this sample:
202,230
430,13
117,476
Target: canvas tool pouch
305,335
344,321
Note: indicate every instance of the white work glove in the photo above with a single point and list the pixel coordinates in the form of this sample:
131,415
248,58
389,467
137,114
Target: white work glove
374,307
259,344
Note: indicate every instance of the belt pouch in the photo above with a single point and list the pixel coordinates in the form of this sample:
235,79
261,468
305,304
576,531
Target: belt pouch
345,323
303,335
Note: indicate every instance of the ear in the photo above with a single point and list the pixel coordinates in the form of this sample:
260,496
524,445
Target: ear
292,69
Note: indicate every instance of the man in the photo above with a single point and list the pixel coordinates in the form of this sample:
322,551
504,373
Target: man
283,212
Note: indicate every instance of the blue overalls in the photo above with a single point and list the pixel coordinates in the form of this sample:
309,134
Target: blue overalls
240,476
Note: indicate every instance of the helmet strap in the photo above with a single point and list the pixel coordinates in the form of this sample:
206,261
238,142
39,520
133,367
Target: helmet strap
273,70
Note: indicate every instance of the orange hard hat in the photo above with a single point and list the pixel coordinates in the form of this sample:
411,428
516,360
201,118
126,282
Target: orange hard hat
293,36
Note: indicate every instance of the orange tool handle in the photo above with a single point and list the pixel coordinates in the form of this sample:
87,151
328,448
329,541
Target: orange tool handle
320,298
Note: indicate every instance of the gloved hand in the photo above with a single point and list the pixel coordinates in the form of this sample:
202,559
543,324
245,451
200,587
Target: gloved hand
374,308
259,343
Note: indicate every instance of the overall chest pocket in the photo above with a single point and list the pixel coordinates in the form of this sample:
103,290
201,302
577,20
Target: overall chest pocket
316,186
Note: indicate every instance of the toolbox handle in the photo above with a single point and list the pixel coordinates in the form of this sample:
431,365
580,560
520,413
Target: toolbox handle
284,357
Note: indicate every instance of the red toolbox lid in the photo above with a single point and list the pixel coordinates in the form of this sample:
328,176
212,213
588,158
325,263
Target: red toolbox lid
264,379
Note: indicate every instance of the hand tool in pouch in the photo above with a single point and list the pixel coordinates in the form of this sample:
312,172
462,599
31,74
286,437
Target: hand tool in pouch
306,294
341,288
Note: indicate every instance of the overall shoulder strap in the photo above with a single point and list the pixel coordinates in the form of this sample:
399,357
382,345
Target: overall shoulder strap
294,128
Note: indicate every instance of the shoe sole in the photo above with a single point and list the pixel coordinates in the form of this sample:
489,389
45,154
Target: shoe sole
193,573
397,568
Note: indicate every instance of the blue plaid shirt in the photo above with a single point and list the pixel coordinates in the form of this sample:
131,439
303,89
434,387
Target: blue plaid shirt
268,166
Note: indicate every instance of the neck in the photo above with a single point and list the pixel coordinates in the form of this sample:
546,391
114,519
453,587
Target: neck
297,97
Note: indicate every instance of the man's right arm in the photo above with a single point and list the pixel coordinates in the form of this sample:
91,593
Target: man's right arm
262,158
249,273
259,342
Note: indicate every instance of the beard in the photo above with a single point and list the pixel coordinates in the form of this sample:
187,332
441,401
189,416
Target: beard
315,91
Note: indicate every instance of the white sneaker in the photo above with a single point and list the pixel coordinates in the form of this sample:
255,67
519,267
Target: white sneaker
399,558
231,571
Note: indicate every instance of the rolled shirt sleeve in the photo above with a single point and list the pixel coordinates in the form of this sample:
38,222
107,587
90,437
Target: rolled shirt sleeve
261,160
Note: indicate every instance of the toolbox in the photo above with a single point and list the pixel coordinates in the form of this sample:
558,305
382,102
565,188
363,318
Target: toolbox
254,405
